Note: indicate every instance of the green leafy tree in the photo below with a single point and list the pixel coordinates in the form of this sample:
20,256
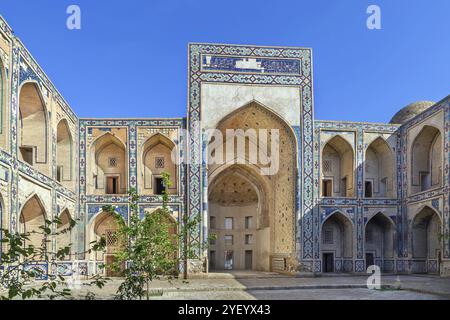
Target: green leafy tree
19,276
151,246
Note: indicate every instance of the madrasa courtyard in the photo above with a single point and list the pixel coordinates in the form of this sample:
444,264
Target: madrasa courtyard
321,203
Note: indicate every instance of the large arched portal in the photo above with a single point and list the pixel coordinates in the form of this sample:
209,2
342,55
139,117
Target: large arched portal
379,240
426,246
251,207
32,217
337,243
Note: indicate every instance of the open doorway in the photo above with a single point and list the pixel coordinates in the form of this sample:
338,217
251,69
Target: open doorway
112,185
328,262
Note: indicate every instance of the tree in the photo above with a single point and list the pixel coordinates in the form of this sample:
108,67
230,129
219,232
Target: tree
149,246
19,276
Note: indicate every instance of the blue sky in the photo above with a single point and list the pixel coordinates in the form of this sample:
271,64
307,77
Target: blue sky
130,57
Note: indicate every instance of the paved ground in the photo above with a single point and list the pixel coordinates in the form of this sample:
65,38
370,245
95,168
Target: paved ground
301,294
247,286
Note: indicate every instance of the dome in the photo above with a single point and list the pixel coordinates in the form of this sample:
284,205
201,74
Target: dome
410,111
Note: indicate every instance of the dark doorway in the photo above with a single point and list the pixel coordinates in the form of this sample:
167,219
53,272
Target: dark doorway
368,189
327,188
328,262
212,260
370,261
112,185
159,186
248,259
27,154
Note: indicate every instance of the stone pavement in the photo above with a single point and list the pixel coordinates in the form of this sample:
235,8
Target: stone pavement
270,286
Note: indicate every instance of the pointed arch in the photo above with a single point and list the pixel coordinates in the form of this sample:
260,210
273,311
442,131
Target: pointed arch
426,244
156,158
263,167
426,159
105,225
338,162
379,240
64,151
379,169
64,232
33,130
259,105
32,217
108,165
336,244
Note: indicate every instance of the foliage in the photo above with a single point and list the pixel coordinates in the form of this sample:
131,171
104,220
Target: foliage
148,246
19,275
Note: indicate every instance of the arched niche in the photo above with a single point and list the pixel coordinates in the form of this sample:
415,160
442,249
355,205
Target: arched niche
64,152
269,164
156,160
107,168
64,232
337,168
33,128
379,240
336,244
379,172
426,160
32,217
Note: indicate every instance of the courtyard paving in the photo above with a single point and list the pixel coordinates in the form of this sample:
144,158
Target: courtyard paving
250,286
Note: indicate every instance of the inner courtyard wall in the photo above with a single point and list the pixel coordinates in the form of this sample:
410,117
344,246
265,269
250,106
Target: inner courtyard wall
213,94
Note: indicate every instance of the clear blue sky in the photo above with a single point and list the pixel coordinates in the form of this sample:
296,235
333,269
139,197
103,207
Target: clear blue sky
130,57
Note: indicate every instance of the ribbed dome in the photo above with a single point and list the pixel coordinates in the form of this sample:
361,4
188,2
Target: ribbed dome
410,111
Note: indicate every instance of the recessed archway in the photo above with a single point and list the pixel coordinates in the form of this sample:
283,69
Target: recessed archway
32,218
337,243
426,160
64,232
379,240
248,198
337,168
426,228
63,152
104,225
32,133
108,166
379,171
156,159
